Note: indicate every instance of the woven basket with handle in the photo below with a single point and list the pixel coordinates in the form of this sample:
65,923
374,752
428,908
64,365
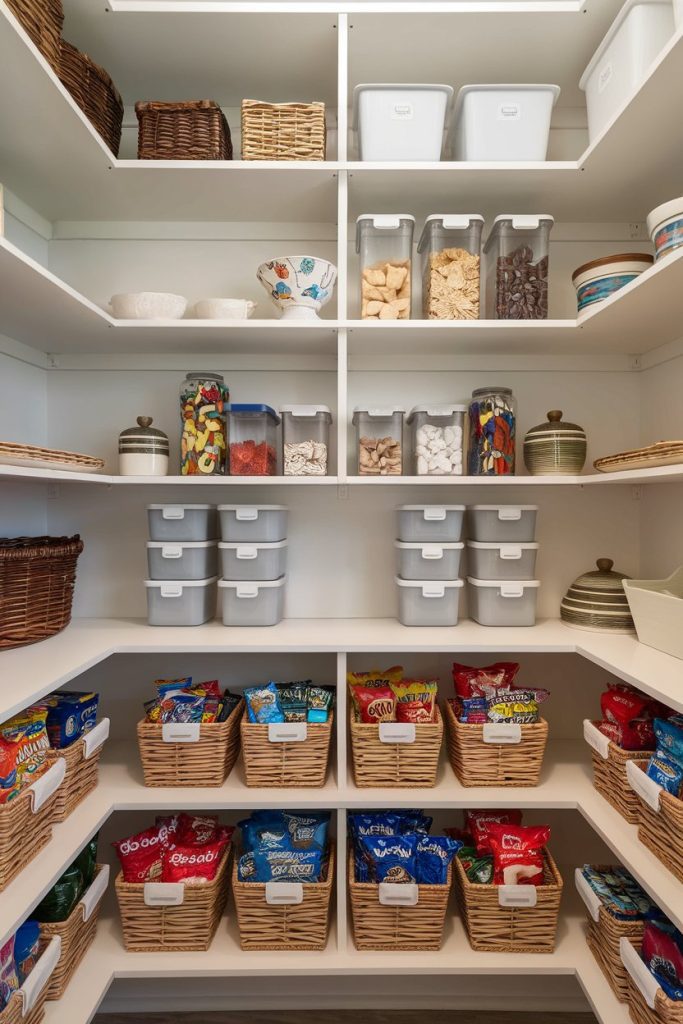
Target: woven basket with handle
94,92
665,1011
192,130
299,763
604,934
396,765
42,20
208,762
77,935
24,833
283,131
14,1012
609,777
662,831
37,578
81,776
477,763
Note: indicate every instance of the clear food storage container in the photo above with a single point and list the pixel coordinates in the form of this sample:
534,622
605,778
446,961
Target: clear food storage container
400,122
493,430
436,439
182,522
428,561
385,245
254,603
184,560
425,603
253,561
502,602
203,401
253,524
516,253
430,524
379,437
503,122
502,524
305,439
180,602
253,440
501,561
450,245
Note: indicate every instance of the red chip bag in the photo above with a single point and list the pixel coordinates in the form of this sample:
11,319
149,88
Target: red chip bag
192,864
637,735
140,855
470,680
477,824
196,829
518,853
375,703
622,706
418,711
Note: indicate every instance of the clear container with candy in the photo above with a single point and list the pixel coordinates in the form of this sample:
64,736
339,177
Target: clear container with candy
493,417
203,403
253,440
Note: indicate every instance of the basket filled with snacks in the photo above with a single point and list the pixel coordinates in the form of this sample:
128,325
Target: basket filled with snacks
495,734
25,972
173,885
282,882
654,968
658,784
396,729
286,731
190,734
508,886
75,735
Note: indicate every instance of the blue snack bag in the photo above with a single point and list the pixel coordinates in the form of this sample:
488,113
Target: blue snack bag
307,830
434,854
263,704
283,866
26,948
666,772
267,829
391,858
415,821
70,714
380,823
669,739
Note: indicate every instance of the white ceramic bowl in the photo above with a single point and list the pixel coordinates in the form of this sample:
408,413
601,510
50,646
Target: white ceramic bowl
224,309
665,227
298,285
597,280
148,306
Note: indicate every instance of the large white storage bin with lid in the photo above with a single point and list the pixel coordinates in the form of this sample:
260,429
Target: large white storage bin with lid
253,524
253,561
180,602
502,524
501,561
182,522
502,602
257,603
182,560
431,524
620,63
428,561
503,122
428,603
400,122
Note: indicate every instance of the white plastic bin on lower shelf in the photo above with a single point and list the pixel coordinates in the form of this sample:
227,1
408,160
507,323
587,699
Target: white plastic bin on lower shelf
180,602
428,561
502,524
503,122
502,602
256,603
428,602
253,561
185,560
501,561
182,522
430,524
253,524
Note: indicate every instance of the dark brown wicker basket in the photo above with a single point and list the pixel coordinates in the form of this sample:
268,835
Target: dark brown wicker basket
42,20
94,92
37,579
194,130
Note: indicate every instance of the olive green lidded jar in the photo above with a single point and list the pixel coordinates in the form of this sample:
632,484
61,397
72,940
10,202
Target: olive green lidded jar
555,447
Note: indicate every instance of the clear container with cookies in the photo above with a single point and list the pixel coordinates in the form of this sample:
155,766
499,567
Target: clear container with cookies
384,243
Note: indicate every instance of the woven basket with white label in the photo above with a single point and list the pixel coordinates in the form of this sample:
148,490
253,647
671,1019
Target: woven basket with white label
26,822
396,754
647,1002
660,818
189,754
609,771
495,754
286,753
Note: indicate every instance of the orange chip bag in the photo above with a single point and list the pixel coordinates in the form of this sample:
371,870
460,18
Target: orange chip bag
28,731
415,700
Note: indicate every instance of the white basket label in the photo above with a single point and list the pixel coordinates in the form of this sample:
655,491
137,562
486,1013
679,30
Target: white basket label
589,897
397,732
164,894
645,982
500,733
284,893
595,739
517,895
392,894
42,789
180,732
93,740
94,893
647,789
287,732
40,975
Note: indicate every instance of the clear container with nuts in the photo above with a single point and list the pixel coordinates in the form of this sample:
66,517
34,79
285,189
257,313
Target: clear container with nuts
385,245
379,434
451,263
305,439
517,262
437,439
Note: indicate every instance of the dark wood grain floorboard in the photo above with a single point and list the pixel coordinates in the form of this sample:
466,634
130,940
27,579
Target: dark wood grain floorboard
347,1017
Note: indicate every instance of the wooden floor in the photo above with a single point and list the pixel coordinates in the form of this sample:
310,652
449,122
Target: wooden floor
347,1017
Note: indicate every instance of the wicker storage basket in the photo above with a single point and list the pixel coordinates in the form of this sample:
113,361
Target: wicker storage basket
302,763
194,130
27,1006
206,762
76,933
159,925
25,831
510,929
662,830
283,131
396,765
477,763
82,768
42,20
94,92
609,771
382,926
664,1011
37,578
284,926
604,934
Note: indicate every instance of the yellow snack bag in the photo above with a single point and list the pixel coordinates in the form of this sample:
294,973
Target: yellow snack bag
374,680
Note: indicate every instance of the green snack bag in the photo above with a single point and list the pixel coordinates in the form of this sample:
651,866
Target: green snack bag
59,902
86,861
294,700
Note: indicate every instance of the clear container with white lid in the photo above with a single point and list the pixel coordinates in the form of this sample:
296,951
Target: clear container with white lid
436,433
502,524
502,602
450,246
428,603
428,561
385,245
305,439
182,522
252,524
379,440
517,261
254,562
430,524
497,561
182,560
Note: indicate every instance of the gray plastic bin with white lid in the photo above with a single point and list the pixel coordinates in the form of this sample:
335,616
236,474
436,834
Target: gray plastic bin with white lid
428,602
428,561
253,561
182,560
180,602
502,602
502,524
255,603
253,524
501,561
431,524
182,522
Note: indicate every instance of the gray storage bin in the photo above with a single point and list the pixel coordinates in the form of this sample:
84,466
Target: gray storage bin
184,560
502,524
180,602
433,524
257,603
502,602
501,561
428,603
428,561
182,522
253,524
253,561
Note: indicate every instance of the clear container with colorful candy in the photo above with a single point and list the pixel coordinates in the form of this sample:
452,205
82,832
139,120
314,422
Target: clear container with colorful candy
253,440
493,418
203,445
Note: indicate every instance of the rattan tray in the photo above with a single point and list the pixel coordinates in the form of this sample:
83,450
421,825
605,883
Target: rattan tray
478,763
663,453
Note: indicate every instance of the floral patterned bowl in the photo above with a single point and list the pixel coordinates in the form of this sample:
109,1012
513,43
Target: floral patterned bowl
298,285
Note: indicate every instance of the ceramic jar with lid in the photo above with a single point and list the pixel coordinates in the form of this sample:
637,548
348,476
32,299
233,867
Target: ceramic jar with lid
555,447
143,450
597,601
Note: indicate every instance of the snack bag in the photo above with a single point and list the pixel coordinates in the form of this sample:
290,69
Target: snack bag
307,830
374,704
194,829
375,824
391,858
194,863
662,951
141,855
281,866
477,824
58,904
622,706
9,979
670,738
168,686
415,700
28,731
666,772
70,715
9,785
434,854
294,701
320,701
181,707
517,853
26,949
469,681
473,710
229,702
210,688
519,706
479,870
264,829
375,678
263,704
637,735
619,893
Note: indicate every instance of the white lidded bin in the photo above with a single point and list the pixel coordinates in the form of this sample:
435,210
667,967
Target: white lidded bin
253,524
503,122
431,524
501,561
619,65
502,524
428,603
400,122
182,560
255,603
428,561
182,522
253,561
180,602
502,602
